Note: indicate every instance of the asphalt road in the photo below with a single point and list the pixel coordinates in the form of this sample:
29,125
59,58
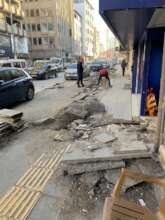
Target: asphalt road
48,98
40,85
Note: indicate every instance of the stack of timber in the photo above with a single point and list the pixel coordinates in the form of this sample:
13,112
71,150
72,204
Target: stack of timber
10,120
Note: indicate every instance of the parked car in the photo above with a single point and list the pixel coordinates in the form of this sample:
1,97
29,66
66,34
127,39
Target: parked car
18,63
71,71
44,69
62,63
15,85
97,65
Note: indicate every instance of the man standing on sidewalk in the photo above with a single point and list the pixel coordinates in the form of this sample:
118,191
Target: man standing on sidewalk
80,70
123,66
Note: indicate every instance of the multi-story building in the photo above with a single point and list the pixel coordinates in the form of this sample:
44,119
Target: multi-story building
77,34
85,9
13,40
96,43
50,27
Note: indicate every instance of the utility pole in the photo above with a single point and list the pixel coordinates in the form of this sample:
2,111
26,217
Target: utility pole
12,31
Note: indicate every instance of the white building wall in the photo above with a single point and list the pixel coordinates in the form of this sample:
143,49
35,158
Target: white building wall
77,34
85,9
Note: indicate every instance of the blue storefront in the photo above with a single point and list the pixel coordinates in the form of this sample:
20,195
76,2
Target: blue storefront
139,26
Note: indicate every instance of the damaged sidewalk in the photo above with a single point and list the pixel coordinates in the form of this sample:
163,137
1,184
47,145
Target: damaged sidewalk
103,142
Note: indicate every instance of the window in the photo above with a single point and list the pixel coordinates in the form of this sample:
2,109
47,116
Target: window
5,75
50,26
44,27
38,27
32,12
17,65
28,27
33,27
20,73
40,41
37,12
35,41
6,65
24,27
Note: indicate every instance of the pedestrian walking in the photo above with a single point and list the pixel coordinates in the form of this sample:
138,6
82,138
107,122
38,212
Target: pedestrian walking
80,71
104,73
123,66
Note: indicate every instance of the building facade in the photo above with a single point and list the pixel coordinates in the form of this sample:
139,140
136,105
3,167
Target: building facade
13,39
146,46
50,27
85,9
77,34
96,43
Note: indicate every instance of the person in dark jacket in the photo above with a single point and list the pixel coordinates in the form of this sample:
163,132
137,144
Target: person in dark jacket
123,66
80,70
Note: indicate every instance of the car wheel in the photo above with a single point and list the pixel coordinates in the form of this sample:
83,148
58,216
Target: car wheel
30,93
46,76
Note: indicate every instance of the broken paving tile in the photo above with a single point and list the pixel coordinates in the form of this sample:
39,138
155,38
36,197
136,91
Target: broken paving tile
74,169
81,154
112,176
132,147
105,138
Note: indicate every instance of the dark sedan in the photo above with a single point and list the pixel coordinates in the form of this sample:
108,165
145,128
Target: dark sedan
15,85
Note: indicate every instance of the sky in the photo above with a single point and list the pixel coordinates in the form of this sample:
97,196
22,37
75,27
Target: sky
99,22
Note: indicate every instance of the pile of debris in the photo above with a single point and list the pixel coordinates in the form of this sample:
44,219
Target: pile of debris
10,121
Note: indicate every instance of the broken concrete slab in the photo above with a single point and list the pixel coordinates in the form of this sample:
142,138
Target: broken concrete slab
74,169
105,138
112,177
149,167
77,110
82,154
90,179
43,121
132,147
98,120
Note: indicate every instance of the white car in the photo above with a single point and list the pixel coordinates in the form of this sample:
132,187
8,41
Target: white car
71,71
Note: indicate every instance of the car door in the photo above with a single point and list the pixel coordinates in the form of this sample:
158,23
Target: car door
20,81
7,89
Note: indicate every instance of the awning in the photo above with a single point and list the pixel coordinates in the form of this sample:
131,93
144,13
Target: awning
128,19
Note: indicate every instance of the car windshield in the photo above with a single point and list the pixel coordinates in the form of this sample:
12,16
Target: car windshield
56,61
100,62
96,64
72,66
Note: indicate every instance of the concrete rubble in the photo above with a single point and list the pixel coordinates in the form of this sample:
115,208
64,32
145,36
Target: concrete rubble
101,146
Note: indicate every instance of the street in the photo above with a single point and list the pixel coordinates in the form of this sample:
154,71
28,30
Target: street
48,98
69,197
44,84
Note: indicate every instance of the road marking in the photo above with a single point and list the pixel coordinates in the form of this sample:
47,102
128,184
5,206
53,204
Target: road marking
18,203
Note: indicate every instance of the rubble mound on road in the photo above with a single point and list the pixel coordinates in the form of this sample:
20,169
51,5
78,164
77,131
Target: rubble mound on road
78,110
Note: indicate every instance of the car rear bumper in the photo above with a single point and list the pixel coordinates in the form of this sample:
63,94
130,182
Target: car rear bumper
71,77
